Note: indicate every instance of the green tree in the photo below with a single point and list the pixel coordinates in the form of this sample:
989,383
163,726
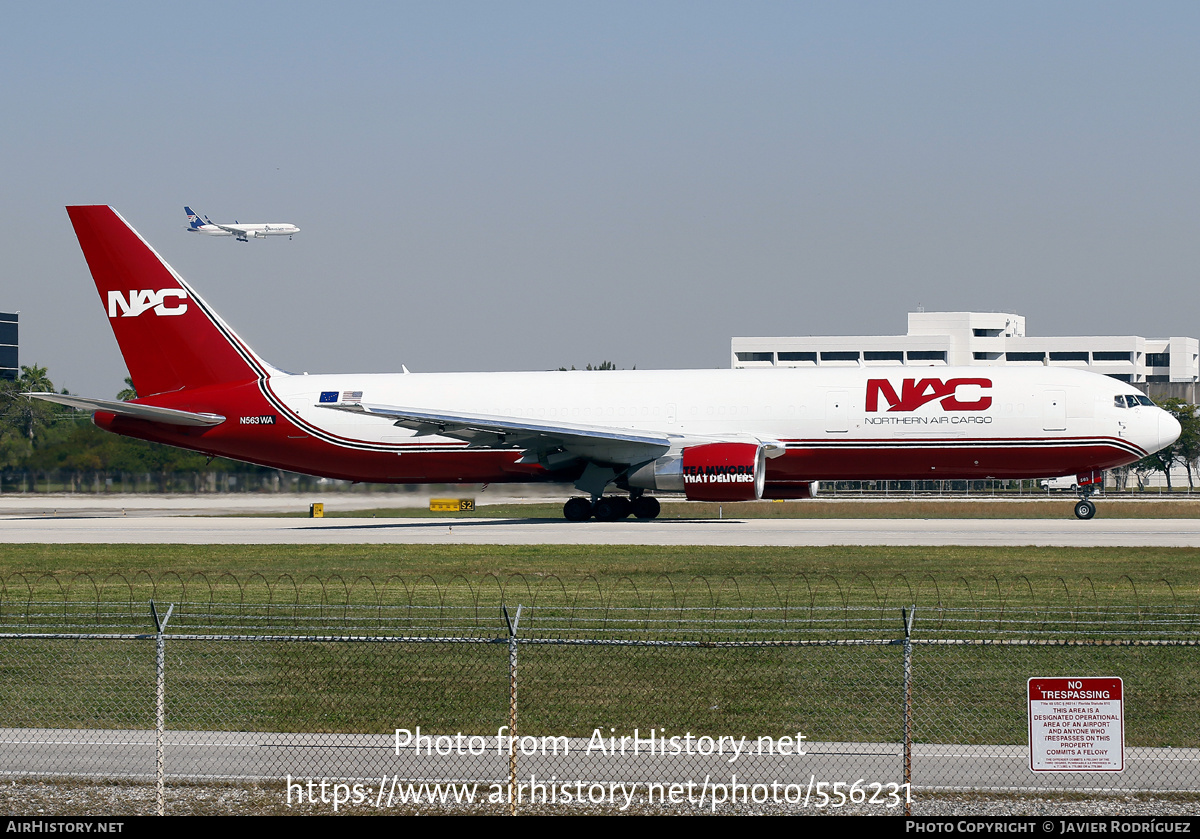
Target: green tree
14,445
130,392
604,365
1189,440
1178,452
28,416
33,379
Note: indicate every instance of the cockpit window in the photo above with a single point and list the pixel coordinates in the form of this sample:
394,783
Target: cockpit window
1129,401
1119,400
1144,400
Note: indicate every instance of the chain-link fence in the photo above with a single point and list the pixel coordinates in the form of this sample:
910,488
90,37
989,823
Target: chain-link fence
371,705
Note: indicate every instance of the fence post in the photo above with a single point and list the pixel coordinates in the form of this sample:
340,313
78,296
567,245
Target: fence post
907,617
512,707
160,705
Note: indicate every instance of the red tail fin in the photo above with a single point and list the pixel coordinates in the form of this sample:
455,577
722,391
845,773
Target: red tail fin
170,338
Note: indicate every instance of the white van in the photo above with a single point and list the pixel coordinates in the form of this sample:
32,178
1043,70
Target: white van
1069,482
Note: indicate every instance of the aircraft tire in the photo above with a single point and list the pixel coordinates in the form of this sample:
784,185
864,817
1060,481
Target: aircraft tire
606,509
646,507
577,509
1085,509
624,507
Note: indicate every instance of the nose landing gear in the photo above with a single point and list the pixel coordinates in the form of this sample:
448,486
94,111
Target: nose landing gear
1086,508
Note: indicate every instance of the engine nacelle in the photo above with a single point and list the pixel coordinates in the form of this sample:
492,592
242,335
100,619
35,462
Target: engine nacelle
791,490
710,472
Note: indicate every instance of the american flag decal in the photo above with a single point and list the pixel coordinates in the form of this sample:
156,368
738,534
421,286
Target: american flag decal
352,396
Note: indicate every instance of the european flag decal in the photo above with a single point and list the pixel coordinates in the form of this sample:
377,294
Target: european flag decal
329,396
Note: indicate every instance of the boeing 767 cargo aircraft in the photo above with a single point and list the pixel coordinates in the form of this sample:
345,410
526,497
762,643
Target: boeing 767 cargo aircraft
716,435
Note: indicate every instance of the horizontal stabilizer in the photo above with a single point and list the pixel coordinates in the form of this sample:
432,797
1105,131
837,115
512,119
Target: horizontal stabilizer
170,416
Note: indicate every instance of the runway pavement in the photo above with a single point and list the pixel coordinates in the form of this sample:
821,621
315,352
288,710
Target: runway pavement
138,505
370,757
193,530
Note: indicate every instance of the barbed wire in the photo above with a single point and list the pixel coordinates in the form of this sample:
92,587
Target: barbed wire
688,607
800,590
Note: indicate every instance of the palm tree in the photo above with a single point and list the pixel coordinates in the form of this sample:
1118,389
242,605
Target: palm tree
33,379
29,416
130,392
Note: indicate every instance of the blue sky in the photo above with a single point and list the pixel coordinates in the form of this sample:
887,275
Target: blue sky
521,186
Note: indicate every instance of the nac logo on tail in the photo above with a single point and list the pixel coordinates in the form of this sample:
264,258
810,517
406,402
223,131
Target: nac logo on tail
145,300
914,393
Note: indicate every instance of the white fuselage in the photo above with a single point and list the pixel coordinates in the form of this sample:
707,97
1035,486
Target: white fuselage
835,424
244,231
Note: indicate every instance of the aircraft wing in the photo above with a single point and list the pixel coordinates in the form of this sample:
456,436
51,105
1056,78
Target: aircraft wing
170,416
555,444
236,229
598,443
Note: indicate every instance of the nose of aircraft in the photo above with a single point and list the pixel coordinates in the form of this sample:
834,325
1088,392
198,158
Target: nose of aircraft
1168,429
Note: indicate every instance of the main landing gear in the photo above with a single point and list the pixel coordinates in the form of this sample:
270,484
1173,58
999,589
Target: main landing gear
611,508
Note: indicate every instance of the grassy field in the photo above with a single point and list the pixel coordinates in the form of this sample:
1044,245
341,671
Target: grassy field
962,694
968,695
633,576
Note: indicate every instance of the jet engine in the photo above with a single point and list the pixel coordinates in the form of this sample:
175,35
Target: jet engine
709,472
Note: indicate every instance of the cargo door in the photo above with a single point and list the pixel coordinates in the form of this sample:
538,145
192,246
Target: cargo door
1054,411
837,412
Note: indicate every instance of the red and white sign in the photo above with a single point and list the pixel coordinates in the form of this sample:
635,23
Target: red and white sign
1076,724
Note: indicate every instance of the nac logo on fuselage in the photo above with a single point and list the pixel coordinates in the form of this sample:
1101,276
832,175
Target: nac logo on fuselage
145,300
916,392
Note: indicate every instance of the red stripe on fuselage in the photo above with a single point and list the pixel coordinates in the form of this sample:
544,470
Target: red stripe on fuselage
285,445
964,460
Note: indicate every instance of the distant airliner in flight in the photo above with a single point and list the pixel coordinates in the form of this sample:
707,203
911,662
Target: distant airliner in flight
243,232
711,435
